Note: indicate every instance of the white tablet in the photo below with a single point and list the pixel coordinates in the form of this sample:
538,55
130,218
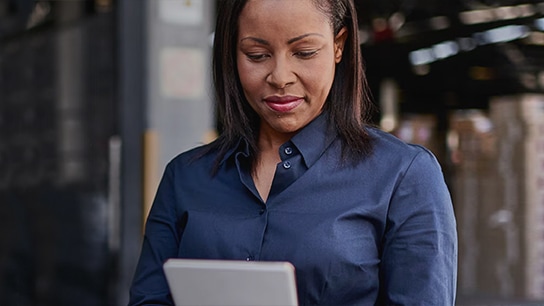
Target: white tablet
228,282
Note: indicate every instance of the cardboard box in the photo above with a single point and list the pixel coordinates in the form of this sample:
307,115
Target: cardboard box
470,147
499,198
519,121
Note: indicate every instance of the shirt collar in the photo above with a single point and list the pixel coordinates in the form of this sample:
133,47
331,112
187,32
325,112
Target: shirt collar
311,141
314,139
242,146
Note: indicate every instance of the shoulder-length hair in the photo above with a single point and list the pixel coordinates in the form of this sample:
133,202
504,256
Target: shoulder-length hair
348,103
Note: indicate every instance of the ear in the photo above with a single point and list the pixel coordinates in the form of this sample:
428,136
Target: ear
339,42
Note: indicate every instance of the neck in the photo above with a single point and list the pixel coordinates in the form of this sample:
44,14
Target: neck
270,139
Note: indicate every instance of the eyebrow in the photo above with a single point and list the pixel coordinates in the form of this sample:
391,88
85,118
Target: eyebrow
290,41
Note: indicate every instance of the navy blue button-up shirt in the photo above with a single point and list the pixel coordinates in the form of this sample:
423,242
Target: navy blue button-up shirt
380,232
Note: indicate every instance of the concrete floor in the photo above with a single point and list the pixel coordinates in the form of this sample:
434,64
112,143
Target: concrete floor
495,301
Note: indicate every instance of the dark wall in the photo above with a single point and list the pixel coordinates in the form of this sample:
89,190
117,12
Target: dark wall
54,163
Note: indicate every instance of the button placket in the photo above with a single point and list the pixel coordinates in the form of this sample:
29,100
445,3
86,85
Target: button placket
288,150
286,164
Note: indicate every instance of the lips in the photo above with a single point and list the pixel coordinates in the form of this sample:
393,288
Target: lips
283,104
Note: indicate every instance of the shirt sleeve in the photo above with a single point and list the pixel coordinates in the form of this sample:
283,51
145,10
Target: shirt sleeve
161,239
419,259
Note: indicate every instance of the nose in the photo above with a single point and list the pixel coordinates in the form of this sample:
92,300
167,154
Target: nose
282,74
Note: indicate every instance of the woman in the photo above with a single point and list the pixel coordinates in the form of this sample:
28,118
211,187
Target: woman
297,175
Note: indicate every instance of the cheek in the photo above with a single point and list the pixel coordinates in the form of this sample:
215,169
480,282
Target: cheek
248,76
319,79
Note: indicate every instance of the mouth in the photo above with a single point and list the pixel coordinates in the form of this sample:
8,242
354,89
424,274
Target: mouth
283,104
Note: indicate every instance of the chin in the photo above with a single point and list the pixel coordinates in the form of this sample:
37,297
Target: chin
286,123
288,129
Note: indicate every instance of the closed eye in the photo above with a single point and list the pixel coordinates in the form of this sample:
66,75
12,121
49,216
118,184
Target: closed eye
306,54
257,57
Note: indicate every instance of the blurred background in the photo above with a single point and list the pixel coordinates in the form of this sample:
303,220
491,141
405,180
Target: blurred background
96,96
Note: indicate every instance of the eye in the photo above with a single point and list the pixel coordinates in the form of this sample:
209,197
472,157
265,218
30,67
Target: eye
306,54
257,57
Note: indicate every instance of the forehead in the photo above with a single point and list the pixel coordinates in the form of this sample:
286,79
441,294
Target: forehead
282,15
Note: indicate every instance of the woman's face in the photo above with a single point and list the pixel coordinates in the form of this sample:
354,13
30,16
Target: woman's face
286,58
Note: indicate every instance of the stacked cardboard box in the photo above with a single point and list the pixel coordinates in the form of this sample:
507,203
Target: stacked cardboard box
470,144
519,122
499,198
421,129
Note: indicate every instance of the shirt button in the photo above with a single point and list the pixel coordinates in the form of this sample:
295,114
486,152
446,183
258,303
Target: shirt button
288,150
262,211
287,164
249,258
